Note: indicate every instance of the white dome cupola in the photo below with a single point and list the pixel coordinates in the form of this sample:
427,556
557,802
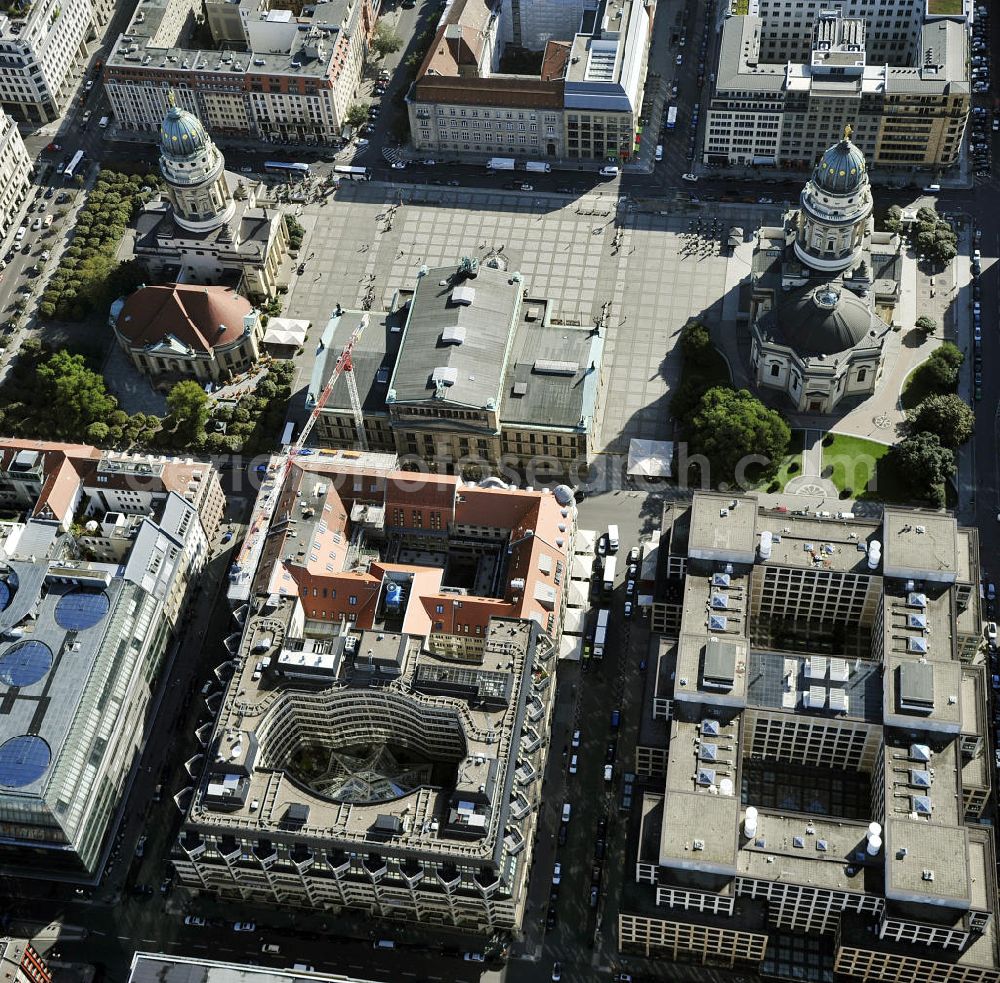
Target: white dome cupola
836,208
194,170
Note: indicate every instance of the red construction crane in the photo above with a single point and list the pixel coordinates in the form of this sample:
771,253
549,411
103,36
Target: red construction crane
265,513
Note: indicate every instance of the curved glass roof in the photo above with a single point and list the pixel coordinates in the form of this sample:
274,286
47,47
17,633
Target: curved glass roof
81,609
23,760
25,663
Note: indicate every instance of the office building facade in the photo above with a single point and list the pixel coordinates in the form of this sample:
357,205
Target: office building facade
91,600
583,104
274,77
768,111
15,173
41,45
821,697
383,744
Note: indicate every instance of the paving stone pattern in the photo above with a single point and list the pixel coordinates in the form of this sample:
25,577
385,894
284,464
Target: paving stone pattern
566,249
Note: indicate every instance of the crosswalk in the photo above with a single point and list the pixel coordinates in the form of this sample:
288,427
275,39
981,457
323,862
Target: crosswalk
393,155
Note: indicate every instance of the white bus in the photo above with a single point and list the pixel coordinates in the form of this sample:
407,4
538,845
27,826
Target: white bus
353,173
73,165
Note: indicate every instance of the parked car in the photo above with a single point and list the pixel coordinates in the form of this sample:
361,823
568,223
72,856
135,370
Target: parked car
194,920
991,632
245,927
557,871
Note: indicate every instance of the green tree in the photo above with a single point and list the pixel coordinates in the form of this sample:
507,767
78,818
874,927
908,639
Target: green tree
356,115
948,416
188,404
943,365
70,396
97,433
924,464
894,219
926,324
385,40
731,425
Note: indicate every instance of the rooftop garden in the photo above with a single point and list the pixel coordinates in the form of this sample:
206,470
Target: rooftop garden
944,7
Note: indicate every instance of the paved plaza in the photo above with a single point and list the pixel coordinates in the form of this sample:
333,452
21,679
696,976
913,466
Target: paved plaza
375,237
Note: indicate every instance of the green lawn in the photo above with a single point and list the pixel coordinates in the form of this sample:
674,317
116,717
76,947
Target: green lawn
853,462
944,6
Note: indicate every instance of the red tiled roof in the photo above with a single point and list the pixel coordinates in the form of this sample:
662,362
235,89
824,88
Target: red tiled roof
202,318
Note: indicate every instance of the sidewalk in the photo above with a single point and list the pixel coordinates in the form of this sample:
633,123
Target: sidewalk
951,179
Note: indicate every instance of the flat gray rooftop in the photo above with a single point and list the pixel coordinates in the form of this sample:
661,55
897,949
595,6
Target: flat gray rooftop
797,683
553,372
457,338
921,545
718,530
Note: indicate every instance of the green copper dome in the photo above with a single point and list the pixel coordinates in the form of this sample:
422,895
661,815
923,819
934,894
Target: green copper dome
181,133
841,171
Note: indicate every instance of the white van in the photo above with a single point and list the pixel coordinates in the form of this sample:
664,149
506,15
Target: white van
566,810
932,189
609,171
105,120
613,538
659,152
383,944
20,234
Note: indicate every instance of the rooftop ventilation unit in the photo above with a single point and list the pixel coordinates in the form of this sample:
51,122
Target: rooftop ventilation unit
454,334
548,366
444,375
916,600
920,752
710,728
720,579
765,545
463,295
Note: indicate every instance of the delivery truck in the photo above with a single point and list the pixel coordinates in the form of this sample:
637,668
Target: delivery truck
600,640
538,166
500,164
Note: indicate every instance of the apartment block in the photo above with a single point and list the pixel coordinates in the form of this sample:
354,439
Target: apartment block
816,760
892,27
769,111
275,75
382,743
41,43
15,172
466,371
99,554
583,104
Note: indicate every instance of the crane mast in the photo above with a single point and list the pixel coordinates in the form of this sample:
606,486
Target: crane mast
265,513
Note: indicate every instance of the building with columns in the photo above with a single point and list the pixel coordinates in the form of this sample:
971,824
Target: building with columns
819,282
208,229
175,332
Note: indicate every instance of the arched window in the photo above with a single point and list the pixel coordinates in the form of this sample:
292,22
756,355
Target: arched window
862,373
